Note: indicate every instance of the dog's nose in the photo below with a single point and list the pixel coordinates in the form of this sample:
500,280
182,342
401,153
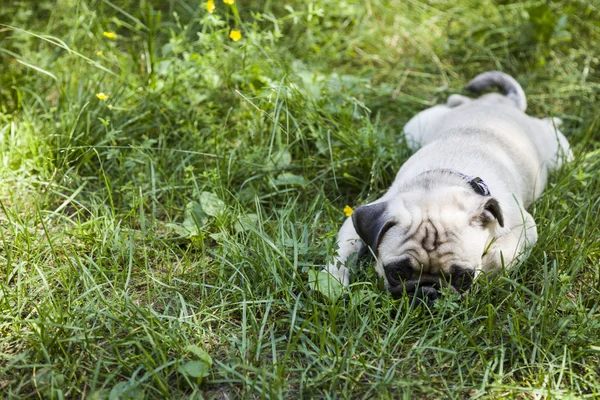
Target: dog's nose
428,294
398,272
462,278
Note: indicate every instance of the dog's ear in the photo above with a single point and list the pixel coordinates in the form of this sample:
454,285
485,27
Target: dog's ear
371,222
492,211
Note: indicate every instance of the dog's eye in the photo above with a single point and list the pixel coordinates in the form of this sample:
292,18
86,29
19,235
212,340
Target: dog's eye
398,271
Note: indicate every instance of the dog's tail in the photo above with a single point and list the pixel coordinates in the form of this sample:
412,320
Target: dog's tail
502,81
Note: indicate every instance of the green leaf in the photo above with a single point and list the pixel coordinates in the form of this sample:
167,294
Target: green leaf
200,353
312,84
195,369
290,179
178,228
211,204
97,395
194,218
126,391
246,222
325,283
282,158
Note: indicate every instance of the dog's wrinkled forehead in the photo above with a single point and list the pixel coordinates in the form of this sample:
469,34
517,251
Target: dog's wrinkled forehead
432,235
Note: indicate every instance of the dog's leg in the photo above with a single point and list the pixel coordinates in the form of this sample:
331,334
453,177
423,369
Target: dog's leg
417,129
422,125
557,149
348,243
456,100
505,249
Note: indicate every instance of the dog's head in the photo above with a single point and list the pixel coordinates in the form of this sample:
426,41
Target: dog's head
427,240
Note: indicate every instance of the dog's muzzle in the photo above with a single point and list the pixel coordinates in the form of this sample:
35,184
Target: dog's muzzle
426,288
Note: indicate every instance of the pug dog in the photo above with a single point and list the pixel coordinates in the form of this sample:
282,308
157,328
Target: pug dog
458,206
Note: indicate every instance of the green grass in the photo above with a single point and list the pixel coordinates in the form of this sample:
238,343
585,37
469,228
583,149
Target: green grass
189,207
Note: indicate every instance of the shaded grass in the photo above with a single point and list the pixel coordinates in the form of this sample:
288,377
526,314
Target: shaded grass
286,127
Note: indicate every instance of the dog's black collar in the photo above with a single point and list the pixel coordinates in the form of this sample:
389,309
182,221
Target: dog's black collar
476,183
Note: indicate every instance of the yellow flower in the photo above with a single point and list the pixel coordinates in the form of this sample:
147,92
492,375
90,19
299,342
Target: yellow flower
348,211
99,53
235,35
230,2
110,35
101,96
210,6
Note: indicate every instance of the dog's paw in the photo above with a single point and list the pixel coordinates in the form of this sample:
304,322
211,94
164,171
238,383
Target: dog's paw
342,274
531,236
494,260
553,121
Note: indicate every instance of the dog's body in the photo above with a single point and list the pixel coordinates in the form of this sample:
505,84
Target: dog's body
438,225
